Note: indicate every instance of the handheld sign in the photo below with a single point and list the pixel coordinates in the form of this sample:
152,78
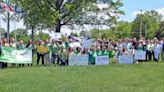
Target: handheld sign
77,60
140,55
126,59
102,60
42,49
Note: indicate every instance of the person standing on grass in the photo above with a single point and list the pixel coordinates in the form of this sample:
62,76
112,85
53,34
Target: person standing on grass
124,51
13,45
140,47
5,44
149,50
30,46
157,50
1,63
21,46
163,50
53,49
40,54
48,54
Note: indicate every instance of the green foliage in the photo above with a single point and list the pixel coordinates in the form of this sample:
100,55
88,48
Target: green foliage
122,30
21,34
160,33
150,21
2,30
53,14
42,36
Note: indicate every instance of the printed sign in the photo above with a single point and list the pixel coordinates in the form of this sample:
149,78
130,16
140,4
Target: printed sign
126,59
42,49
87,43
11,55
140,55
102,60
77,60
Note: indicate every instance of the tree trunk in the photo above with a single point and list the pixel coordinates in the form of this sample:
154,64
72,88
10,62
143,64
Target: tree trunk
58,26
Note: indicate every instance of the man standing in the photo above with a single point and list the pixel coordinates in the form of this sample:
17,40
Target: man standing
163,50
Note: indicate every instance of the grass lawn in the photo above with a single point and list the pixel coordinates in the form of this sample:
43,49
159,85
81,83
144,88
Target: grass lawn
146,77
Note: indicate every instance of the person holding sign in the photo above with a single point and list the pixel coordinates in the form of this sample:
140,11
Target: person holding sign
48,54
30,46
13,45
92,55
5,44
157,50
41,51
21,46
124,52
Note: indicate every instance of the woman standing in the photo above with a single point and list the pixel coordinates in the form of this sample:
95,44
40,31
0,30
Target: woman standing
21,46
13,45
5,44
40,54
157,50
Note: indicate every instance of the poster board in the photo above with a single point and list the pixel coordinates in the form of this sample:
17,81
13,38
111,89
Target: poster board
140,55
125,59
102,60
42,49
78,60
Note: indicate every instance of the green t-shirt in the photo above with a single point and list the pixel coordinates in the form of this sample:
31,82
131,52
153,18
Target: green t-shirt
93,56
66,45
53,48
111,53
140,47
105,52
99,53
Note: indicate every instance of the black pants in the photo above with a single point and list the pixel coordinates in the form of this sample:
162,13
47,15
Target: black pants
1,65
38,58
149,53
29,64
21,64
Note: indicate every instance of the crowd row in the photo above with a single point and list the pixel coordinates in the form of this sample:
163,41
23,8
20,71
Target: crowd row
58,52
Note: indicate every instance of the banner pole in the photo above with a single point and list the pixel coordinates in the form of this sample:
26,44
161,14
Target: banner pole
15,33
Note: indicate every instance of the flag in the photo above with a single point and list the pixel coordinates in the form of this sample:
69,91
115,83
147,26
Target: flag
11,55
3,5
9,8
17,9
74,39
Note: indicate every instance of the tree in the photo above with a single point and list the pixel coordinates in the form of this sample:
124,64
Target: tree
123,29
25,35
53,14
150,21
2,30
20,34
160,32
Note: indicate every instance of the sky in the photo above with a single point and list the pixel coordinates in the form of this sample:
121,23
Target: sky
131,8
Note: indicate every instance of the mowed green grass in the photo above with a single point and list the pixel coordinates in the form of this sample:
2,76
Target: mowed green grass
146,77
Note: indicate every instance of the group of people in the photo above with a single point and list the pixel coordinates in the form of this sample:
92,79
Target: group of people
58,51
